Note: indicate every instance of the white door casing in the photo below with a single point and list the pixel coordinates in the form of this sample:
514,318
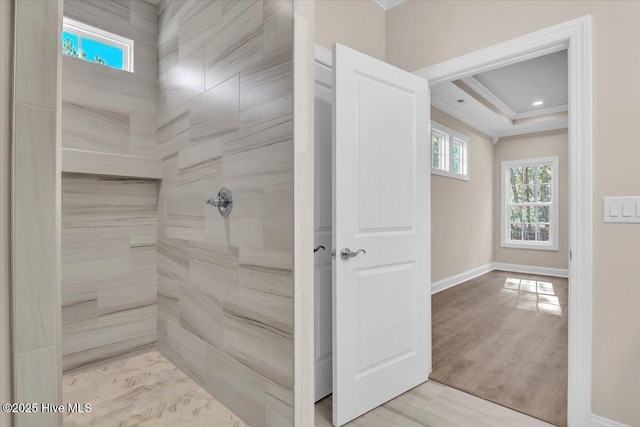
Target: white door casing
381,191
323,100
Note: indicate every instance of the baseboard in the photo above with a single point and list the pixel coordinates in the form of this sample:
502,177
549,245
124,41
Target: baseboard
452,281
598,421
531,269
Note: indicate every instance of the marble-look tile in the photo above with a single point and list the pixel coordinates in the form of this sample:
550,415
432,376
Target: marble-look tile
201,314
38,382
143,138
109,267
37,53
182,82
266,89
145,390
185,216
278,30
237,300
213,269
108,336
35,241
112,16
201,169
173,265
198,25
236,46
278,405
236,386
173,130
187,352
262,166
95,129
215,112
94,85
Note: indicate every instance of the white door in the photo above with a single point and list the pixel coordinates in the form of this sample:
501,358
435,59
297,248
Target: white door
381,189
323,95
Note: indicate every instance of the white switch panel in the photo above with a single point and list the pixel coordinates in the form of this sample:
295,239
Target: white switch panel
622,209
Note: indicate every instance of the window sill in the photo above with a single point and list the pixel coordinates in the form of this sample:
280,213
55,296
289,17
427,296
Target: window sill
529,246
449,174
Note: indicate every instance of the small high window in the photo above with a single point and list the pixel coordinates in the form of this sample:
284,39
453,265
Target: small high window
530,203
95,45
449,152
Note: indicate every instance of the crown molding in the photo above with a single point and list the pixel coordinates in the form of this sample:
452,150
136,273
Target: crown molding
462,117
388,4
491,97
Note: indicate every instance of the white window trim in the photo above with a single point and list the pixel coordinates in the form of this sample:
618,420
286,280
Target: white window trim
451,135
88,31
552,244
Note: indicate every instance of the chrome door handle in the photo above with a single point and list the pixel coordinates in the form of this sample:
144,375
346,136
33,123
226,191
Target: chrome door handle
317,248
346,253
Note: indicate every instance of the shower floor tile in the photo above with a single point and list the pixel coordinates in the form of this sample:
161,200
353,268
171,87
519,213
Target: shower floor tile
142,390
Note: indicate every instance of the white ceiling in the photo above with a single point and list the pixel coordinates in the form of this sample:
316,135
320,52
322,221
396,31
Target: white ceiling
499,102
544,78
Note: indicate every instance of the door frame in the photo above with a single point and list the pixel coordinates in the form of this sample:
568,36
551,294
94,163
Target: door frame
574,35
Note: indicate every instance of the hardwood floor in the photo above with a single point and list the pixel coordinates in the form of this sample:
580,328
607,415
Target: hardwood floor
504,337
434,405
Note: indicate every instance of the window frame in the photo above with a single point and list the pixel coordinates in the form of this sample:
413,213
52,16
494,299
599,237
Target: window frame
446,159
83,30
554,206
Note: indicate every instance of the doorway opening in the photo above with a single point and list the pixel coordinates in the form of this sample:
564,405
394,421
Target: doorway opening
572,37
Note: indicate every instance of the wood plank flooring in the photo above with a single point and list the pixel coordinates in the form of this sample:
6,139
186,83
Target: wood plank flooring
504,337
434,405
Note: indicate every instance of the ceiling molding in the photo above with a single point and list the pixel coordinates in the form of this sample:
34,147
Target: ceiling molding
388,4
542,112
462,117
489,96
482,100
534,127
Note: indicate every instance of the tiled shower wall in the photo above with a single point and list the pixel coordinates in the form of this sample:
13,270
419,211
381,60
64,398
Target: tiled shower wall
105,109
225,286
108,267
109,223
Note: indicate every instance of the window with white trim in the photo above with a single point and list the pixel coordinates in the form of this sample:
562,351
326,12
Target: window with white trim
93,44
449,152
530,203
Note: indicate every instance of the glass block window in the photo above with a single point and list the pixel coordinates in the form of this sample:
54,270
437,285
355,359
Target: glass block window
449,152
93,44
530,205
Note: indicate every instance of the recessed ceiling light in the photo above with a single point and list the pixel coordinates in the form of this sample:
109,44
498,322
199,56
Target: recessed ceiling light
536,103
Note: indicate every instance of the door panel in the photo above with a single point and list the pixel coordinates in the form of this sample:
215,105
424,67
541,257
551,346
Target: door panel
381,190
323,218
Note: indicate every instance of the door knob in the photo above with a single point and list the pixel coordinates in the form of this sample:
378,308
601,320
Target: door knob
346,253
317,248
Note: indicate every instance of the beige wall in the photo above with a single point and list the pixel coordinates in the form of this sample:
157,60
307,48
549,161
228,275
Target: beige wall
458,244
358,24
225,285
544,144
425,33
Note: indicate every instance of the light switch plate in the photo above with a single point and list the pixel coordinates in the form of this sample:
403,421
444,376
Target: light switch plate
622,209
